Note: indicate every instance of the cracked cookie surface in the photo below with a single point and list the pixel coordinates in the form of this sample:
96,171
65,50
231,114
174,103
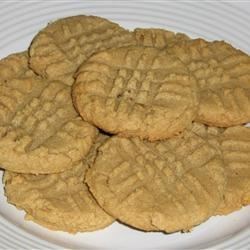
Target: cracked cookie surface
168,186
223,77
40,132
235,145
158,38
58,50
136,91
58,201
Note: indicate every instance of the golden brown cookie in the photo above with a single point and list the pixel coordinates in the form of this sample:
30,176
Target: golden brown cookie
18,85
57,201
40,132
136,91
235,144
158,38
57,51
223,75
168,186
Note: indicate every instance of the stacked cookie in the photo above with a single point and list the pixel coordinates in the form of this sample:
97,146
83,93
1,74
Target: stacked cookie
99,124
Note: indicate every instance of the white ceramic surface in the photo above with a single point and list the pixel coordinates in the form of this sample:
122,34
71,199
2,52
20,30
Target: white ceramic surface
19,22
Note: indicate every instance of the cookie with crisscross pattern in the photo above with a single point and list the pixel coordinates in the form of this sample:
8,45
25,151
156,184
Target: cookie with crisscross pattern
136,91
234,143
58,201
169,185
58,50
40,131
223,77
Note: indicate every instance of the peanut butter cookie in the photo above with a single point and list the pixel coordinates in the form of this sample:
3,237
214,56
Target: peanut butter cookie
58,50
168,186
235,144
58,201
40,131
223,76
136,91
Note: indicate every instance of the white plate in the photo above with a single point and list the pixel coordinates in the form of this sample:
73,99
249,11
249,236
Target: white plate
19,22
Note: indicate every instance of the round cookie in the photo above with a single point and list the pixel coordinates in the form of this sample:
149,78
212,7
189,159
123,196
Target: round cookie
40,132
57,50
57,201
223,76
158,38
136,91
235,145
168,186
